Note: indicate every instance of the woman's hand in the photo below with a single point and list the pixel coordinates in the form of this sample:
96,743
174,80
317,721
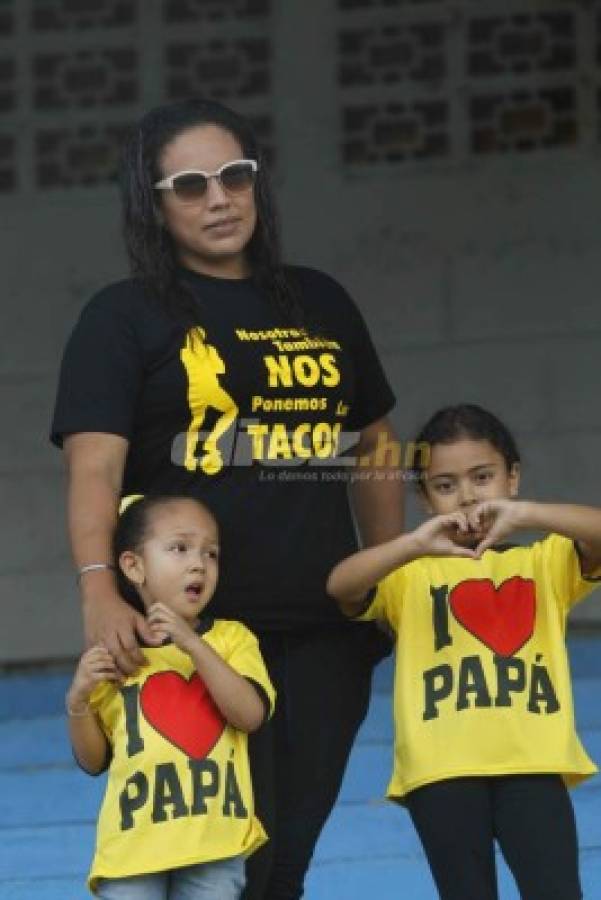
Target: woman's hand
95,665
443,536
164,622
110,621
95,464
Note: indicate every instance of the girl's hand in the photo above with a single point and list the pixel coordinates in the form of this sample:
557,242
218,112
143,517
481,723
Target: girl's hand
164,622
442,536
496,520
95,665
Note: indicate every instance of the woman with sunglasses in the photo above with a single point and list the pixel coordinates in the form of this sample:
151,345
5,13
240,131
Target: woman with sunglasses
217,372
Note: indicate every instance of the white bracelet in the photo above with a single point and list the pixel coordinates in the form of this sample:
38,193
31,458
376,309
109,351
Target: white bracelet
93,567
77,714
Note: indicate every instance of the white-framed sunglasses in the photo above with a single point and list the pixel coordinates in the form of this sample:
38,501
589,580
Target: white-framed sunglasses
234,177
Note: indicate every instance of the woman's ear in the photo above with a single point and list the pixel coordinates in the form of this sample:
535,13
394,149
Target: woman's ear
132,566
514,480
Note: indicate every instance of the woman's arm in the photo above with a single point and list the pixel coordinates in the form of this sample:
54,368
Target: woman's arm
95,465
88,740
238,701
581,524
377,484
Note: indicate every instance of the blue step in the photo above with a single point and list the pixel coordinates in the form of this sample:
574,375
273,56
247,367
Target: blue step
367,849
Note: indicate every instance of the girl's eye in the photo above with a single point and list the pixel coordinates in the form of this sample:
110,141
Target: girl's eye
213,554
180,547
444,487
484,476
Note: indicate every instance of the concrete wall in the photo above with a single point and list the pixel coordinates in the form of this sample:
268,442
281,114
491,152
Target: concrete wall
478,276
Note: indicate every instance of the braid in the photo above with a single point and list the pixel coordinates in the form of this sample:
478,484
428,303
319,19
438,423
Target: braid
150,248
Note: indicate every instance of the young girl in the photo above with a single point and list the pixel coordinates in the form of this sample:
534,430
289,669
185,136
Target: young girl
177,818
485,740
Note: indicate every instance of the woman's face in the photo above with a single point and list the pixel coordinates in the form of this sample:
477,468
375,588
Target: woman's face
210,234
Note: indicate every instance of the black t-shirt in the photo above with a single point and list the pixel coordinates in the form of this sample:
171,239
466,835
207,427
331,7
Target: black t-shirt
244,412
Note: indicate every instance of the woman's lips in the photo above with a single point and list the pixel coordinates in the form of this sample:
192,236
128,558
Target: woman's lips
223,228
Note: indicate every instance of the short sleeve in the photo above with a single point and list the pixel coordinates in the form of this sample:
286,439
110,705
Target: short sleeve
374,397
101,371
387,601
102,703
240,649
561,562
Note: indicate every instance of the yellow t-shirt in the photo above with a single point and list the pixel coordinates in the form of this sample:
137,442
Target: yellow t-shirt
179,790
482,683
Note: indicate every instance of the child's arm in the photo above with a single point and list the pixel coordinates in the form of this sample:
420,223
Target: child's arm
581,524
87,737
238,700
355,576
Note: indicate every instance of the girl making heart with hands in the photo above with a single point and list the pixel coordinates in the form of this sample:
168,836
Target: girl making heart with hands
485,739
177,818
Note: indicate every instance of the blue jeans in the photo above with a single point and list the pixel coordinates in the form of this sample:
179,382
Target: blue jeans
220,880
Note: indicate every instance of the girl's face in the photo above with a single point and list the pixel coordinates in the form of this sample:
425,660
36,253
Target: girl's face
210,234
466,472
178,562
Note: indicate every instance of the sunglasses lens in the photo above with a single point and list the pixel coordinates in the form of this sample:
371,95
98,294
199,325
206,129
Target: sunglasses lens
238,177
190,187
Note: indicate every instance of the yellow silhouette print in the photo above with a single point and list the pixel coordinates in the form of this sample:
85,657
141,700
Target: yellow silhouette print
203,365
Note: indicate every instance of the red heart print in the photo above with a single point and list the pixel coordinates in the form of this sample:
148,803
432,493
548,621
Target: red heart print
183,712
501,617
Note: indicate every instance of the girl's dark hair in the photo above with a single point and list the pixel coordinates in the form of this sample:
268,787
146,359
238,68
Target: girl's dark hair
130,533
151,250
466,420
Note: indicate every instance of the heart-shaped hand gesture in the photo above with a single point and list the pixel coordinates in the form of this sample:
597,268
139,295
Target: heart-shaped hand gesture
444,535
495,519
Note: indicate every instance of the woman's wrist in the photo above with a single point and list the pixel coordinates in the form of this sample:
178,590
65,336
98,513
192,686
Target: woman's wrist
98,584
94,568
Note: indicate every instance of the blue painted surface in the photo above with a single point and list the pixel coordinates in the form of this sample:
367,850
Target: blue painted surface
368,848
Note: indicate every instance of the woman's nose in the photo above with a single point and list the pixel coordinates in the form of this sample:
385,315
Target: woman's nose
216,195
